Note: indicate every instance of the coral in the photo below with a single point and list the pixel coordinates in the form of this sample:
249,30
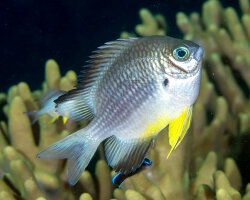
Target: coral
164,180
226,43
220,116
151,25
205,166
22,174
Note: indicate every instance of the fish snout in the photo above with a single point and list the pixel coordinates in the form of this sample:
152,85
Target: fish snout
199,54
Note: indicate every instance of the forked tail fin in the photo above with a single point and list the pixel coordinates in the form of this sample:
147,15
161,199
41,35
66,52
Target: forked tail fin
33,115
77,148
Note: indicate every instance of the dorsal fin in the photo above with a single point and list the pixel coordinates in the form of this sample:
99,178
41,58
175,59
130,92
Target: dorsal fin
79,102
101,60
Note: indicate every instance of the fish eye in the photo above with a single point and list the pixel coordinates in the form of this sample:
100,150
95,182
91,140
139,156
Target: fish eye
181,53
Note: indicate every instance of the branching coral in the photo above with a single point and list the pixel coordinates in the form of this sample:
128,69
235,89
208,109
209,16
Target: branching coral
226,43
151,25
203,167
221,114
25,176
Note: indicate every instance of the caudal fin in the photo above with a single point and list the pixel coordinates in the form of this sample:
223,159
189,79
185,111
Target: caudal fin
33,115
77,148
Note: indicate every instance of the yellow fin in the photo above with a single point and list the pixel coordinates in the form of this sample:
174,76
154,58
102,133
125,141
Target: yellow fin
178,128
53,119
64,120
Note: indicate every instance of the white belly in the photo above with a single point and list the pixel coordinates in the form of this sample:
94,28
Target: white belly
155,115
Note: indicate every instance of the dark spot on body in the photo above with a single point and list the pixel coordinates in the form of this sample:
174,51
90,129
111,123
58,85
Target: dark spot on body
165,82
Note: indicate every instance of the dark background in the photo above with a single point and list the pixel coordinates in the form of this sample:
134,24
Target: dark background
31,31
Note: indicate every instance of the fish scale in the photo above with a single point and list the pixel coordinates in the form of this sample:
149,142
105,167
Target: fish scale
131,90
125,106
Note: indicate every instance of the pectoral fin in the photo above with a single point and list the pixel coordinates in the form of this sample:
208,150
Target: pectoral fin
178,128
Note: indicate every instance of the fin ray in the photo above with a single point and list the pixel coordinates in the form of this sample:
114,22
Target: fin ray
72,105
33,116
77,148
126,156
79,102
178,128
51,94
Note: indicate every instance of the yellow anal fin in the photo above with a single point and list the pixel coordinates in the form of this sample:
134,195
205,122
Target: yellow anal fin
65,119
53,119
178,128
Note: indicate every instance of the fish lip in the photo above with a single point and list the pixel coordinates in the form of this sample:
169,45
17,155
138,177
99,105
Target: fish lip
198,58
199,54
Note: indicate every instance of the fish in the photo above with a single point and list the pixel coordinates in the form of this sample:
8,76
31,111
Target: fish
119,177
48,107
130,90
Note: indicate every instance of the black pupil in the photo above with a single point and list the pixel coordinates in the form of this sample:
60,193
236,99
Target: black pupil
181,53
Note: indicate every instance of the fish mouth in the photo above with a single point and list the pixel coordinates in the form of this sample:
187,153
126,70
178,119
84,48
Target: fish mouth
199,54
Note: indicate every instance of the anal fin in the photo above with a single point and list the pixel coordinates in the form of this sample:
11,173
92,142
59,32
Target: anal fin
126,155
119,177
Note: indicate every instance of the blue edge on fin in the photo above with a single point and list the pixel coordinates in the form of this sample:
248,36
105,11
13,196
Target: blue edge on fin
119,177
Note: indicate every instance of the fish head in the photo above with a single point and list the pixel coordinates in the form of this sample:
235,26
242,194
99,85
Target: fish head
182,61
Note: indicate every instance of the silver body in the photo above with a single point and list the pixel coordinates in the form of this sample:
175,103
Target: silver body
130,85
131,94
